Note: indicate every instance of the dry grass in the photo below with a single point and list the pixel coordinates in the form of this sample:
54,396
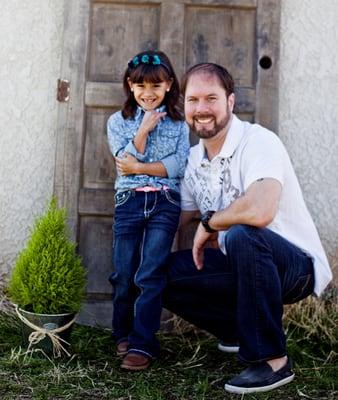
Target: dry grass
7,308
316,317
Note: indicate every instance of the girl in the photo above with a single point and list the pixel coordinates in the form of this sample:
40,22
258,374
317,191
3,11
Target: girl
150,144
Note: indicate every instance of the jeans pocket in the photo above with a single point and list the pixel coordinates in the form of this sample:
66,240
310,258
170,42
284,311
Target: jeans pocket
173,197
302,288
122,197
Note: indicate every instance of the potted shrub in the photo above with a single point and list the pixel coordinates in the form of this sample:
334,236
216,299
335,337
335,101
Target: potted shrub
48,281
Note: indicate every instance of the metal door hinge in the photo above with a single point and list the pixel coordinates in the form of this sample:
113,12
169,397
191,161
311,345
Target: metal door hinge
63,90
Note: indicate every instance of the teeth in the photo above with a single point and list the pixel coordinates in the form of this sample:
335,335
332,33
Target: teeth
203,120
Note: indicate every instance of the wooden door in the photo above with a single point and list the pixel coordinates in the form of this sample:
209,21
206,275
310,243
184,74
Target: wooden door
100,37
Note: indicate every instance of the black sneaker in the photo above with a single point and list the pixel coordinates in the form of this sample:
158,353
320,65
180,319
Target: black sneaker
260,378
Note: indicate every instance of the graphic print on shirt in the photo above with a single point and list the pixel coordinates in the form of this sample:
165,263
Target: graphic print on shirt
230,192
211,185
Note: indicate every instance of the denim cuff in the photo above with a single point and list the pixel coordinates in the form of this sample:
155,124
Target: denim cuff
171,166
131,149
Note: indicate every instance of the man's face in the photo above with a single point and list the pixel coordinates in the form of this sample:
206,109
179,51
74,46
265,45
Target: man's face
206,106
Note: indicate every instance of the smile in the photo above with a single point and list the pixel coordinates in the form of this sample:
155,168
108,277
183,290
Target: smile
149,101
203,120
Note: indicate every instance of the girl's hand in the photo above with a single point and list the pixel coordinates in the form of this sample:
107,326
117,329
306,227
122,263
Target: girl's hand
150,120
127,165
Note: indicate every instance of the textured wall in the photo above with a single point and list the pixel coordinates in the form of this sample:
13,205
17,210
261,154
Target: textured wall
30,54
308,104
30,51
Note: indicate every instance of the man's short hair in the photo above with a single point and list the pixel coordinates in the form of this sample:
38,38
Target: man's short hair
223,76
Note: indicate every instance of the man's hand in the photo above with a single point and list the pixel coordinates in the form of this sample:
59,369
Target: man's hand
200,240
127,165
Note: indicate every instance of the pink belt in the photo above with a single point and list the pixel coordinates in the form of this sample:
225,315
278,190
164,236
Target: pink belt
150,189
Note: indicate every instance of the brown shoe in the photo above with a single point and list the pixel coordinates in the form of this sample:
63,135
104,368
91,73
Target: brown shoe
122,348
135,362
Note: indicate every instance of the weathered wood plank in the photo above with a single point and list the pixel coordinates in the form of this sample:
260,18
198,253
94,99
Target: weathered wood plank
229,3
222,35
104,94
71,114
96,202
172,32
268,21
119,31
98,167
95,244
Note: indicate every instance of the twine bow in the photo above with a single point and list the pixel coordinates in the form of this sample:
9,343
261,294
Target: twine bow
39,334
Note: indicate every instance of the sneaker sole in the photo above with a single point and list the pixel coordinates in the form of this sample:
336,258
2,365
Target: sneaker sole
228,349
135,368
244,390
121,353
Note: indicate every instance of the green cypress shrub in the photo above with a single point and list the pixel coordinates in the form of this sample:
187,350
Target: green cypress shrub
48,276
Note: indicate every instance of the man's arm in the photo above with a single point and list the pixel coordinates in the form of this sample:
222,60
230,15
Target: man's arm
257,207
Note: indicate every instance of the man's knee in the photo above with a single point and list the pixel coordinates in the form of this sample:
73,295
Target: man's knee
238,235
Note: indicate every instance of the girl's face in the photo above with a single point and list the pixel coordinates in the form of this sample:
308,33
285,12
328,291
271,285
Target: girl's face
149,95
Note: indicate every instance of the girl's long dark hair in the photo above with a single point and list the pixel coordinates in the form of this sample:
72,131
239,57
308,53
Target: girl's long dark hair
152,72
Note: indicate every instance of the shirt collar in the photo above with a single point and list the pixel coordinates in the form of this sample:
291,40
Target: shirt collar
232,140
140,111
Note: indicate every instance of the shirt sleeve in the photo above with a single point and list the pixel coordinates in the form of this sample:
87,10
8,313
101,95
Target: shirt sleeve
263,157
117,140
131,149
175,163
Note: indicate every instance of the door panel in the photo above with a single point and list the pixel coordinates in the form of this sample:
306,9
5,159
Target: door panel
119,30
224,36
100,38
98,166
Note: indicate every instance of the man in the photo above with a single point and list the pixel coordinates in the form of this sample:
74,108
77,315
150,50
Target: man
239,178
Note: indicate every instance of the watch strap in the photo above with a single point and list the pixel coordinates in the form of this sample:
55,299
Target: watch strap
205,218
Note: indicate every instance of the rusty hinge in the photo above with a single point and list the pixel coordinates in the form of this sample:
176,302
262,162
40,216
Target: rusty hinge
63,90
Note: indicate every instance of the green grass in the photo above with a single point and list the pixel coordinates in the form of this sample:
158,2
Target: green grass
190,368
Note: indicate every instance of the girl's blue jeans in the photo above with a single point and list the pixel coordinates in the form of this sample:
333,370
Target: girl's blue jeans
239,297
144,229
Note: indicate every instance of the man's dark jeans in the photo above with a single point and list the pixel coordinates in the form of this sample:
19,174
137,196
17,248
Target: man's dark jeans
239,297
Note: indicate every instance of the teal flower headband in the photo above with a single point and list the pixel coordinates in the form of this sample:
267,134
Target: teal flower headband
147,59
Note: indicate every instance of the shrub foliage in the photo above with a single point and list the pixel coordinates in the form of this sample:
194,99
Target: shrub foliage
48,276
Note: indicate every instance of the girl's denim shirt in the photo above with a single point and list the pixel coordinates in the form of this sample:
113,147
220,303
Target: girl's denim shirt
168,143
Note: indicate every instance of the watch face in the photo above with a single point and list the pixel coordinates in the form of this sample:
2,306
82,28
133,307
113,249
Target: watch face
207,215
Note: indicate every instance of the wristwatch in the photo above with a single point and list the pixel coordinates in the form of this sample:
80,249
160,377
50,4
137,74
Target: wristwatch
205,221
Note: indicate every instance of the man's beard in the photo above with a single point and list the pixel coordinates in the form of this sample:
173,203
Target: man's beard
204,133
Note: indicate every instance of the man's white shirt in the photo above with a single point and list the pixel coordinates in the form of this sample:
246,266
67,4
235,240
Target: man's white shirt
251,152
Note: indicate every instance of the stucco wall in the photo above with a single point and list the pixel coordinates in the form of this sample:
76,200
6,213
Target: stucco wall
308,105
30,54
30,51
